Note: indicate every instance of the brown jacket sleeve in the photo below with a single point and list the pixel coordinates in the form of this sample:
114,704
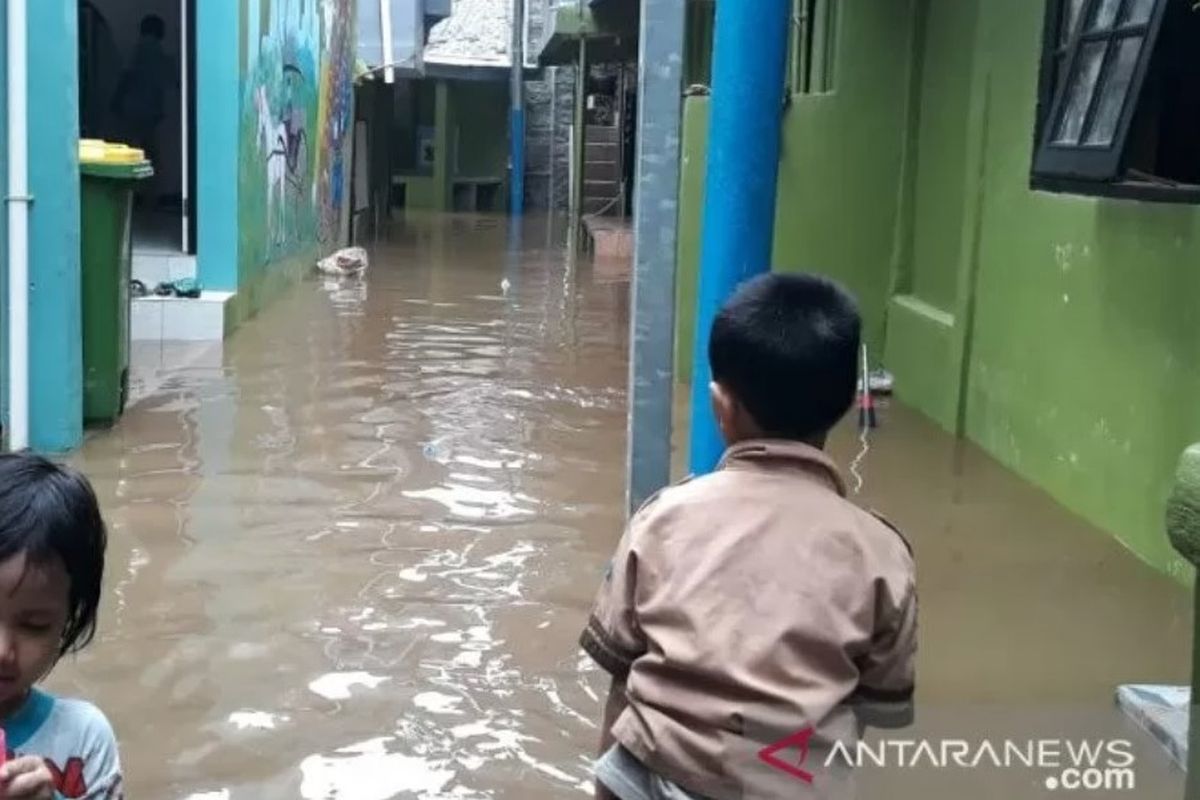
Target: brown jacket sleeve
884,698
613,637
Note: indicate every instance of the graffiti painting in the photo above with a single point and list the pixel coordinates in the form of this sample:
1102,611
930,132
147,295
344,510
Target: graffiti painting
297,114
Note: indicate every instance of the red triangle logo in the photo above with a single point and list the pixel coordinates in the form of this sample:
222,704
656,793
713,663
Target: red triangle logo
801,741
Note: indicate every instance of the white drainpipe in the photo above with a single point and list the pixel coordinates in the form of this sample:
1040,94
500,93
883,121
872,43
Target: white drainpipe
18,227
389,52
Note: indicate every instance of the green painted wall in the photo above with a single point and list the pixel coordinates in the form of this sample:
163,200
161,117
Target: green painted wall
839,173
693,146
1056,331
842,157
421,183
467,116
1085,356
697,59
479,124
941,153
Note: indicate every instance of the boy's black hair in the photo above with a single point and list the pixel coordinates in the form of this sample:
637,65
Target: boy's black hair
787,347
47,512
153,25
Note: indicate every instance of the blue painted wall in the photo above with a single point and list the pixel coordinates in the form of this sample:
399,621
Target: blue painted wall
218,112
56,349
3,216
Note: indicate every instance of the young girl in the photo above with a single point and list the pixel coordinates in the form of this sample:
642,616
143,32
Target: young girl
52,543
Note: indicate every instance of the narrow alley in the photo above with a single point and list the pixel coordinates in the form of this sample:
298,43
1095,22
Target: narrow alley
386,512
369,321
351,557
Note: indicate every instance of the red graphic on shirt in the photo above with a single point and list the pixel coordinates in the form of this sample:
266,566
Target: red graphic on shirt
801,741
68,780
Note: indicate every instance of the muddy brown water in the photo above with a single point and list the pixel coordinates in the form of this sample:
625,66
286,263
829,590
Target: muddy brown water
351,556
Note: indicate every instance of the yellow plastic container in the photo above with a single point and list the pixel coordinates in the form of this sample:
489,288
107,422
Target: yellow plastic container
97,151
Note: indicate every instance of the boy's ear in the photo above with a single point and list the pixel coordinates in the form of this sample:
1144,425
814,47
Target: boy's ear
724,407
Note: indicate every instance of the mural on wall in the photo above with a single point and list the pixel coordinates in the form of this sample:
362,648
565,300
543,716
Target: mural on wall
297,117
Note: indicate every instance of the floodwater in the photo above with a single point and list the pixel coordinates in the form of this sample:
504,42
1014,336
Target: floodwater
352,550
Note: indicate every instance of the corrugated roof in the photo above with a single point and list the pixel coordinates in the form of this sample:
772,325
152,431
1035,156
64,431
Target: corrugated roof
476,34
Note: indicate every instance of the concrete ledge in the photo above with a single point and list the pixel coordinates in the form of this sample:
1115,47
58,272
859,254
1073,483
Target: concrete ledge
921,346
153,363
215,314
1161,711
272,282
611,238
179,319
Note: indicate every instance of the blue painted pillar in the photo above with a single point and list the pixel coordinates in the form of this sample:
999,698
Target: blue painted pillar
55,341
3,217
749,63
218,104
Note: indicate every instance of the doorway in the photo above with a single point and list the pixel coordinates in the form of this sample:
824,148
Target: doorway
137,86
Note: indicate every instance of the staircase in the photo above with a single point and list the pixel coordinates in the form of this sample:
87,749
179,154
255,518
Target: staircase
602,171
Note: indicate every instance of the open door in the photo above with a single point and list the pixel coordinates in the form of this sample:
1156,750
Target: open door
187,82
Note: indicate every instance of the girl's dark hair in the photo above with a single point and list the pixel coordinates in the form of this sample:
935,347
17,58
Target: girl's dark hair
48,511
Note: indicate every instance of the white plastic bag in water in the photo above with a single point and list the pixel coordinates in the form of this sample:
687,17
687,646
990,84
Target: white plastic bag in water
350,261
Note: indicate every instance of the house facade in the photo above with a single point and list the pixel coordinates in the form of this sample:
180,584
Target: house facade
1010,189
264,119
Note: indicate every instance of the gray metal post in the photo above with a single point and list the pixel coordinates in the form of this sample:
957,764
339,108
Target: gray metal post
516,203
655,220
579,140
552,193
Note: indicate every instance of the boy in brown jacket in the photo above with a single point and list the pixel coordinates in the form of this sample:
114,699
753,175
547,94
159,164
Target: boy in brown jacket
756,603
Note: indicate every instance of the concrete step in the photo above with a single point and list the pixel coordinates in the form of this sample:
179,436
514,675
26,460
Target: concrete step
1162,711
601,188
599,151
602,171
179,319
603,134
596,205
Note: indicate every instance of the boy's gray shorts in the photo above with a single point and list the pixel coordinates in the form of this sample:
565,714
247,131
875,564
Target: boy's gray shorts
628,779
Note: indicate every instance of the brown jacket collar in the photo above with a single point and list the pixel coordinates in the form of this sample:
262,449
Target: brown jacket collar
782,454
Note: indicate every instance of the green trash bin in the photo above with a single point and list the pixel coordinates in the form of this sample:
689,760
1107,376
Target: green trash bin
107,205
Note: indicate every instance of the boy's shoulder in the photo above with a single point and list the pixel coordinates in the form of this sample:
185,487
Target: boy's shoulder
721,496
893,529
683,494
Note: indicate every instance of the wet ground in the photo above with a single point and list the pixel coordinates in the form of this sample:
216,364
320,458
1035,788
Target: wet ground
351,554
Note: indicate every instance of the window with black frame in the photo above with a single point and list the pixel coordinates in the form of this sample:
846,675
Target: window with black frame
1119,113
813,46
